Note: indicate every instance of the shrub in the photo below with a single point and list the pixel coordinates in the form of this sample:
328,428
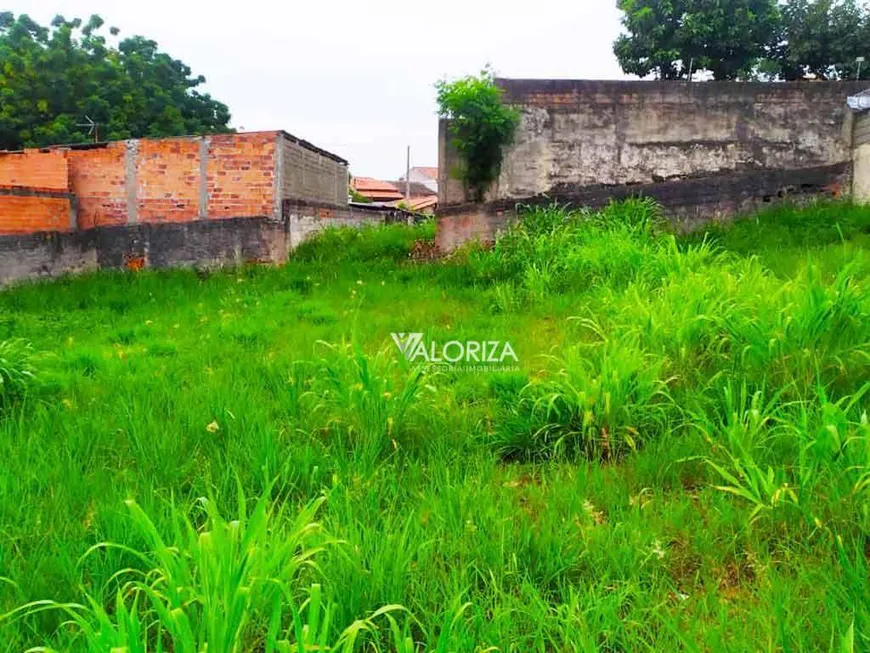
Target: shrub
388,243
16,369
481,126
602,401
368,399
554,250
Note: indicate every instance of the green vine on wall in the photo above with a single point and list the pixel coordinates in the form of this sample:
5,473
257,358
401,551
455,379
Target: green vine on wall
481,126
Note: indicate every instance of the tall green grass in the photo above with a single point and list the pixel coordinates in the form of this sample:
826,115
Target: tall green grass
682,461
16,370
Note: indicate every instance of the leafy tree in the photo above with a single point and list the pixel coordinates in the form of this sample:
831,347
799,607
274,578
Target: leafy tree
480,124
668,37
52,77
728,37
655,41
820,38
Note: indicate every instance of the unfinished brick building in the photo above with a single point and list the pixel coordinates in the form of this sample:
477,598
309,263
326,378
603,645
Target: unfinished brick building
207,200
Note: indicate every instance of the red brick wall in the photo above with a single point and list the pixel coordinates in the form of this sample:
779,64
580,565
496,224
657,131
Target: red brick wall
38,179
34,169
97,181
241,175
167,180
240,182
21,214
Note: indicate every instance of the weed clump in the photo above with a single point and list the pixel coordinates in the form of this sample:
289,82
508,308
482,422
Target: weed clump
17,371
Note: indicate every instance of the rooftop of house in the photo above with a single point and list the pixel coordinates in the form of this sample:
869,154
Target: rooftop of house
431,173
423,203
418,189
370,183
376,188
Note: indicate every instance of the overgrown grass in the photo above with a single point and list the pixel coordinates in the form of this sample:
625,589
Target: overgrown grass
681,461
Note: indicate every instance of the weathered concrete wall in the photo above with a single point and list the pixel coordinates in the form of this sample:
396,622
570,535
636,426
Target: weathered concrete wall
861,158
207,243
450,189
47,254
305,219
576,133
688,202
309,173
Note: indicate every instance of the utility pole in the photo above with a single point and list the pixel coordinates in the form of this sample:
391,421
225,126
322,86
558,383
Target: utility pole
408,177
860,60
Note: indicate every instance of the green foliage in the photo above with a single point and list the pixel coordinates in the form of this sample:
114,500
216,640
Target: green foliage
16,369
388,244
668,37
52,77
686,438
742,39
481,126
603,400
356,197
214,587
821,38
367,407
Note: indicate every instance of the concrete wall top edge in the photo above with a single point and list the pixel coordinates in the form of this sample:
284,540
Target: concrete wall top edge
313,148
517,90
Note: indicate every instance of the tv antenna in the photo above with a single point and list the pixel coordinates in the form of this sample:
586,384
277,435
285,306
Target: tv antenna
93,128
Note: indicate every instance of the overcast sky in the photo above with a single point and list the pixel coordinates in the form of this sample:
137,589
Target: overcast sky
356,78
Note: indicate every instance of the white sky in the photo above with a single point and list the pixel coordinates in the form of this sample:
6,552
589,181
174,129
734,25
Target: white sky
356,78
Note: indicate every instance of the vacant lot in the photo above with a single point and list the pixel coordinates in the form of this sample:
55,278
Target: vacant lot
244,459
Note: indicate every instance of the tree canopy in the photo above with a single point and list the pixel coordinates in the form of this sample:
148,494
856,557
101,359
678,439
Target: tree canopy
744,39
51,78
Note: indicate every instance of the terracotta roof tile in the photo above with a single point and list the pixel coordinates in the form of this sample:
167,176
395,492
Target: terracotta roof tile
432,173
369,184
422,203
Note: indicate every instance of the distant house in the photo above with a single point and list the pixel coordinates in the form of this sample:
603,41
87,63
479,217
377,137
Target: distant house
420,199
426,176
417,189
376,190
426,204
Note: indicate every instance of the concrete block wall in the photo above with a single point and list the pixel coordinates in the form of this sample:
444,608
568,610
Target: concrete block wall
310,174
306,219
